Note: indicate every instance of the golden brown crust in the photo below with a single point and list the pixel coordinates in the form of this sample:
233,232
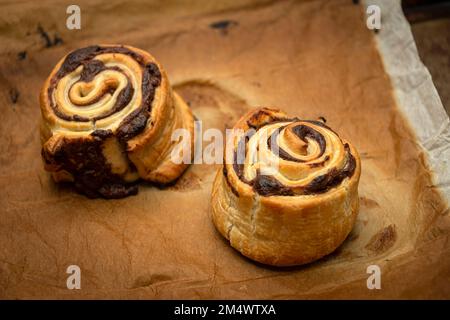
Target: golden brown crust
302,212
108,113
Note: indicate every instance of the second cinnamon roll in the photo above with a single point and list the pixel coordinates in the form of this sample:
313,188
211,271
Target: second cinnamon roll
288,191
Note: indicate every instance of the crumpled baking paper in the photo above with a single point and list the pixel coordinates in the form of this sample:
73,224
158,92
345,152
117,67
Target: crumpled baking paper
309,58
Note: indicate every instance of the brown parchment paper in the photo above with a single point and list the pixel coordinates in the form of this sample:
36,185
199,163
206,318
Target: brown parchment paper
309,58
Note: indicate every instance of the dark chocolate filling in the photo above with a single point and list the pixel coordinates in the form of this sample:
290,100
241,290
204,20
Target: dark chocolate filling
333,177
302,132
90,69
84,159
269,186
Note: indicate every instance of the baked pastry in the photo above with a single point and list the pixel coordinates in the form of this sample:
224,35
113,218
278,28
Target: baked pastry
108,113
288,191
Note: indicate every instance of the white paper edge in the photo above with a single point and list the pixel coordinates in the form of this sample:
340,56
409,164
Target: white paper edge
414,90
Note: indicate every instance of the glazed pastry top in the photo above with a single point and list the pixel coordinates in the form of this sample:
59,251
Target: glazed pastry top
288,156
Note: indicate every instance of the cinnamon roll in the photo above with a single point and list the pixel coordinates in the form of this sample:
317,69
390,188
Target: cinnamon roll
288,191
108,112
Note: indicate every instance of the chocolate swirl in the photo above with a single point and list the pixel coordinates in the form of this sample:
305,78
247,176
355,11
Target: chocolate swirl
289,157
104,109
103,83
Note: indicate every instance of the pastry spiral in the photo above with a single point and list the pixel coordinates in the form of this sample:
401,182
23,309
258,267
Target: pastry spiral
292,196
107,116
